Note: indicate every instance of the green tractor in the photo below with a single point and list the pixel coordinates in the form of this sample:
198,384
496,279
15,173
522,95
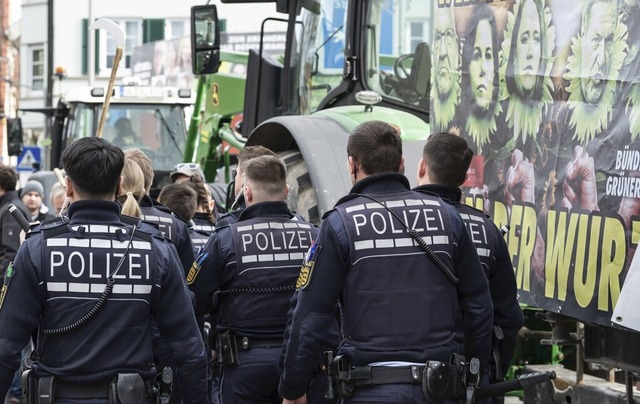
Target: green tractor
345,62
348,61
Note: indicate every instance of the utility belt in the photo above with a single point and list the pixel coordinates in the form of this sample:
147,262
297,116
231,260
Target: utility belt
228,345
125,388
440,381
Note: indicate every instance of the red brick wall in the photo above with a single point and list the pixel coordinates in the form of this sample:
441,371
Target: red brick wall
4,24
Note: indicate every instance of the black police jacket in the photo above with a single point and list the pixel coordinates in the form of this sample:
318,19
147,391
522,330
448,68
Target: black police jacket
59,274
202,223
233,215
9,229
173,228
496,263
253,265
340,268
198,238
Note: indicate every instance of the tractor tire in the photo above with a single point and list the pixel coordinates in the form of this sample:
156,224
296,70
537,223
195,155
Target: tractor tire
302,196
219,194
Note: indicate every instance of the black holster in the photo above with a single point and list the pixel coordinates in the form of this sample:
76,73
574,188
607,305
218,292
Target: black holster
496,371
444,381
338,370
164,385
227,349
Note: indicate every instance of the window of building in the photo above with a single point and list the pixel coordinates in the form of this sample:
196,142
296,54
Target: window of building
133,30
37,67
176,29
418,32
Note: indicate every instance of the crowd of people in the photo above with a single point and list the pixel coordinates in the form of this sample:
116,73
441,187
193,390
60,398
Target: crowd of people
117,297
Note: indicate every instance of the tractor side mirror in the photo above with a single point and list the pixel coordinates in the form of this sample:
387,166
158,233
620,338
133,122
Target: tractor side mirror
14,136
205,39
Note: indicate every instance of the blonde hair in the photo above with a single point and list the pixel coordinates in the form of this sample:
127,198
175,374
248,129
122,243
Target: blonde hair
144,163
132,188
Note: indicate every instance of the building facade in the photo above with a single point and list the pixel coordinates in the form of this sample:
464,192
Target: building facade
84,57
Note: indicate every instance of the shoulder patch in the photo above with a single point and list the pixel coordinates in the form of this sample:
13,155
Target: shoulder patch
196,266
304,278
7,279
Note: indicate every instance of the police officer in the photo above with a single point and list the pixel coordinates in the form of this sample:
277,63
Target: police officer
91,287
252,264
442,170
399,304
173,228
239,203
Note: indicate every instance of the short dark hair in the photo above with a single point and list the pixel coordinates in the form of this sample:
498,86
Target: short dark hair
94,165
180,198
250,152
540,76
480,13
376,146
267,173
8,178
448,157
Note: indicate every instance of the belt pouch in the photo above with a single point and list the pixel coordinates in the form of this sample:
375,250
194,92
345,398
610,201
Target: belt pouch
46,390
130,389
29,386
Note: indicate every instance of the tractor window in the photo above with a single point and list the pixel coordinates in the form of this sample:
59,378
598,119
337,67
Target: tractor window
321,44
158,130
82,123
398,60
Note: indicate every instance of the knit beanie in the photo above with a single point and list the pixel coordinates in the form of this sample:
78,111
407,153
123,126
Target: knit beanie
32,186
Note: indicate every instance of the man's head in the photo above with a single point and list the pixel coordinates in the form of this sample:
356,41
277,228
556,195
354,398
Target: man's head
446,47
143,161
599,22
480,60
8,179
126,136
93,166
181,198
123,126
374,147
527,65
31,195
247,154
445,160
264,179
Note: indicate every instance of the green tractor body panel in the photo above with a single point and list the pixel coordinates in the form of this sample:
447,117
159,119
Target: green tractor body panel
411,127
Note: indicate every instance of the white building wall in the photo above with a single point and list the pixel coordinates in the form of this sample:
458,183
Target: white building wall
68,16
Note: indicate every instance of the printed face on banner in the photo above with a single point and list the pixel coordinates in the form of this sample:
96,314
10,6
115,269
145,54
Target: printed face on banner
558,143
446,53
529,49
596,49
481,66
